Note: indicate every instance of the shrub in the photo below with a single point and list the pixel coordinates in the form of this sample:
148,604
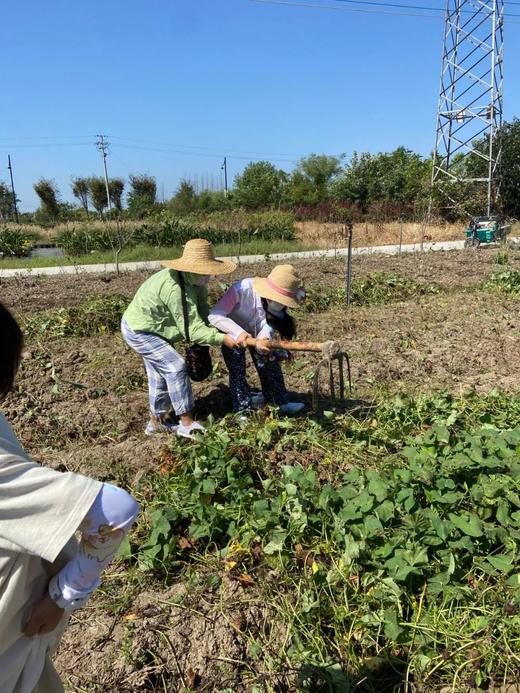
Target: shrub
167,230
14,241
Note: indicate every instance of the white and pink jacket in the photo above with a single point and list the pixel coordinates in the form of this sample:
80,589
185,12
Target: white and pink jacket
240,309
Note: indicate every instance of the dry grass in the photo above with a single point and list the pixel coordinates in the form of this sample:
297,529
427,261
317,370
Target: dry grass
317,234
326,235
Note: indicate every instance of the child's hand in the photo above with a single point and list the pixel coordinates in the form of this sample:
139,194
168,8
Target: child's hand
45,616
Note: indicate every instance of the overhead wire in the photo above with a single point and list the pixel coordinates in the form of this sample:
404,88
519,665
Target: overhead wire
163,147
412,7
193,146
397,13
214,155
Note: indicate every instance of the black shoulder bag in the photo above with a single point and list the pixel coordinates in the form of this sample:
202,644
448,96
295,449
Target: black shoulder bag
198,359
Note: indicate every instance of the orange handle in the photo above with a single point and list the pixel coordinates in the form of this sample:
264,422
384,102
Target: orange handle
283,344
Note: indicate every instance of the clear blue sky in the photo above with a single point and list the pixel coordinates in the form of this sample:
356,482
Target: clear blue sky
212,77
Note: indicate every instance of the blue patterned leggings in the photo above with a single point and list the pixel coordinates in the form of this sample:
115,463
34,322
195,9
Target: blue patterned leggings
168,382
269,372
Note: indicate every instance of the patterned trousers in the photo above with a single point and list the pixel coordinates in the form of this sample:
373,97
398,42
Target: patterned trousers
269,372
168,382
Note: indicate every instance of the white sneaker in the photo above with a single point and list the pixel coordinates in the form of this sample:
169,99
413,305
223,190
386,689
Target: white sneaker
291,408
188,431
160,427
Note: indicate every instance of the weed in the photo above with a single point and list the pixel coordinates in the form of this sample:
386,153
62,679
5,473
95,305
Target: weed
96,315
375,289
505,281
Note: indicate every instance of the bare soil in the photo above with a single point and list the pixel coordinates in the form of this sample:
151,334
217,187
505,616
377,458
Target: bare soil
446,268
81,405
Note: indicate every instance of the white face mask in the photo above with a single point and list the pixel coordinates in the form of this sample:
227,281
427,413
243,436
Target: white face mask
274,306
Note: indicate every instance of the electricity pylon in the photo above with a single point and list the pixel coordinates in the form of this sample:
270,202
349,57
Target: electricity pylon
471,97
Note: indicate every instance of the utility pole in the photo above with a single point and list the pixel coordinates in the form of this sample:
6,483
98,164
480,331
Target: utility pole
12,188
224,168
102,146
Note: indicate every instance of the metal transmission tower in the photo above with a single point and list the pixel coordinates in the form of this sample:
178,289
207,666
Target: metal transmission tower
470,100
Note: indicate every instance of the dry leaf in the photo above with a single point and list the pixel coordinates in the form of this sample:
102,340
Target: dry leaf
246,579
185,543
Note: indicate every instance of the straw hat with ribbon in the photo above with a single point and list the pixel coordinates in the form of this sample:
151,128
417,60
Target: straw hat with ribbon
199,257
282,286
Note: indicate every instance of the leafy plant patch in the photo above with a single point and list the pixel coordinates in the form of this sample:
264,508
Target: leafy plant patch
505,281
96,315
411,556
374,289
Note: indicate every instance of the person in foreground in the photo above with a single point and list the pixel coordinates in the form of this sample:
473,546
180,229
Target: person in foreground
154,322
44,573
258,308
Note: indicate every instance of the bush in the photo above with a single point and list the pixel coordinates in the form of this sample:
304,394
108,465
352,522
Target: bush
14,241
167,230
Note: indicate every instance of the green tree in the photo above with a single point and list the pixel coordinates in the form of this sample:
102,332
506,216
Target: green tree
142,195
508,138
214,201
116,187
400,178
48,192
81,191
98,193
259,185
185,199
6,202
311,181
510,174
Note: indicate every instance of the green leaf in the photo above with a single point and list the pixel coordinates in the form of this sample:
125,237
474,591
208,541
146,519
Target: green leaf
503,563
385,511
469,524
377,487
392,628
208,487
277,542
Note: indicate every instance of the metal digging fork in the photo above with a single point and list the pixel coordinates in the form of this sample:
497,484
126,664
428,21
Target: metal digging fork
331,351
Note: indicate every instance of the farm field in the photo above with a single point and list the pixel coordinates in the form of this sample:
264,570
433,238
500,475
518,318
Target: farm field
372,548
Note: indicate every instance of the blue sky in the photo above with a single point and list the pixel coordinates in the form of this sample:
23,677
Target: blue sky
176,84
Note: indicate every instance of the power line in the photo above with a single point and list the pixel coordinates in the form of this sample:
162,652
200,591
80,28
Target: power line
411,7
166,147
215,155
193,146
53,144
345,9
368,11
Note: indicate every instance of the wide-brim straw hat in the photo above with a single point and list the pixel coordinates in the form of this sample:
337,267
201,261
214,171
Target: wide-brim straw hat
198,257
281,285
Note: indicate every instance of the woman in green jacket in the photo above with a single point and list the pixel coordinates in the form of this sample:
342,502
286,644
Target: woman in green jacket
154,322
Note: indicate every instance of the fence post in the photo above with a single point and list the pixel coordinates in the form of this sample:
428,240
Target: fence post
349,264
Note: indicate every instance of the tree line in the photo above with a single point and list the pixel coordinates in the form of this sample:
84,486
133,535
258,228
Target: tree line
386,186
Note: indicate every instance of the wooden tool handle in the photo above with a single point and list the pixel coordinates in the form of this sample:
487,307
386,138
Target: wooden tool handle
288,345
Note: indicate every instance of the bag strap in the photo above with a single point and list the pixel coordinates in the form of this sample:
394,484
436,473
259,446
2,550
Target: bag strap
184,307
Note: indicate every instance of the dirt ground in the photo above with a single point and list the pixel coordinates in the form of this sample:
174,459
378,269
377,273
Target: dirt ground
81,405
446,268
